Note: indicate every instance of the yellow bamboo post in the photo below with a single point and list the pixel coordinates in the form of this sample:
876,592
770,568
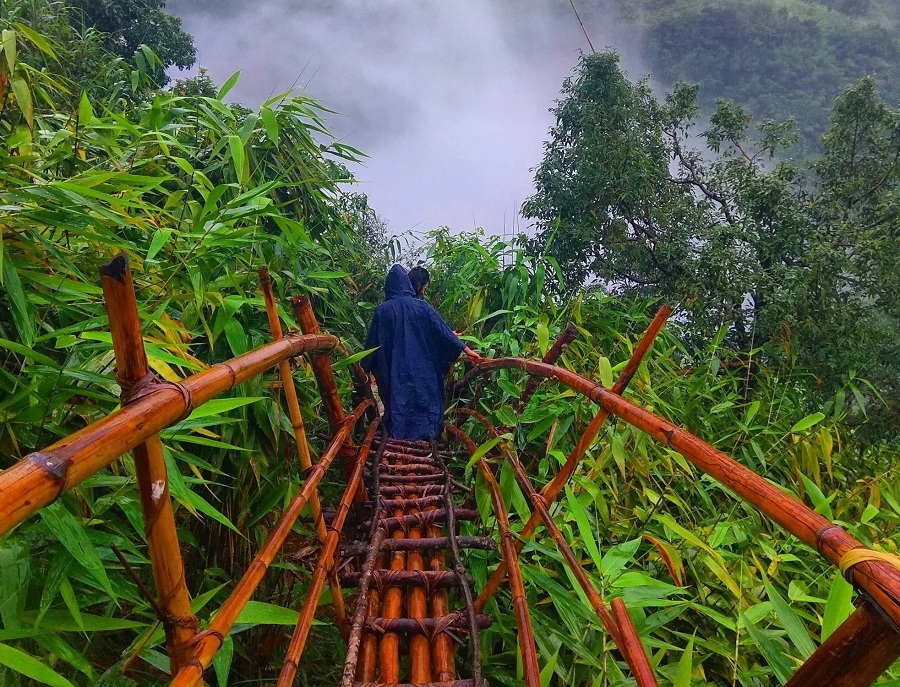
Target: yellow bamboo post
153,485
321,365
290,397
530,669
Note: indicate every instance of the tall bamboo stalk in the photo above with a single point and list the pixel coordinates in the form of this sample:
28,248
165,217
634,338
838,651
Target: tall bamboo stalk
208,642
554,488
326,563
39,478
878,578
290,397
150,466
531,672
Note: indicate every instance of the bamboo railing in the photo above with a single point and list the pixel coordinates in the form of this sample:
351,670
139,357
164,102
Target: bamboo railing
403,622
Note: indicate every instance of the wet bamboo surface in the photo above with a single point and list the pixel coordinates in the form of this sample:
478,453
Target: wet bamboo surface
402,632
39,478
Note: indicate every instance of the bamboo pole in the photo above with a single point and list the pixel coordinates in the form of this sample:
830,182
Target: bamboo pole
631,646
632,652
392,605
208,642
174,604
417,607
325,564
290,397
363,604
854,655
39,478
321,365
554,488
531,672
879,579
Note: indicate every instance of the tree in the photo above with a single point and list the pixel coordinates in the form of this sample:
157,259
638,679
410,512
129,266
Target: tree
128,24
622,198
807,267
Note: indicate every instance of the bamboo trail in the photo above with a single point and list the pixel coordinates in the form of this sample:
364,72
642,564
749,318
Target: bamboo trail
410,538
406,525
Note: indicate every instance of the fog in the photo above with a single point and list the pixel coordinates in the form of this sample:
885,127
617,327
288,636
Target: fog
450,100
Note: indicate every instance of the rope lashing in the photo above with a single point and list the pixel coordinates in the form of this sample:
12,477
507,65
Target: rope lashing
856,556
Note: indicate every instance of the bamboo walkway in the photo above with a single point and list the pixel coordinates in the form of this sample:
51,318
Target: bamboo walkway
415,616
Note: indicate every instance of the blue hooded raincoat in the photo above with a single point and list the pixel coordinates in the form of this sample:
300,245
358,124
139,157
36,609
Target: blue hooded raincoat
415,351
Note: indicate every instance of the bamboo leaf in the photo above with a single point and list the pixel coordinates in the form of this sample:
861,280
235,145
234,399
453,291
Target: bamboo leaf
37,39
483,450
606,372
807,422
228,85
789,620
584,527
838,607
22,663
159,240
222,661
22,312
236,148
771,651
685,666
9,49
261,613
23,99
73,536
85,110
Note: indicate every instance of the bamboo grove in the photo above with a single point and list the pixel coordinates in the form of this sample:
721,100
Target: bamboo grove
648,557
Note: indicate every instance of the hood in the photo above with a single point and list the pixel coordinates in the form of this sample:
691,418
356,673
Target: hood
397,284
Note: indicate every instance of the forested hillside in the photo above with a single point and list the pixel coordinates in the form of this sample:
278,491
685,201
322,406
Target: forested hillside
783,353
779,58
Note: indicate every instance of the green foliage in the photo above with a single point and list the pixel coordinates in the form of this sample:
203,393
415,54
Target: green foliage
720,595
795,267
199,195
779,58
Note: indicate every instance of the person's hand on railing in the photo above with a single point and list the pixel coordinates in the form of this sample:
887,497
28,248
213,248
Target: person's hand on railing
473,356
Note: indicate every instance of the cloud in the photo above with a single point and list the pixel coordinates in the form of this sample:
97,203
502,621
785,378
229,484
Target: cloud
450,100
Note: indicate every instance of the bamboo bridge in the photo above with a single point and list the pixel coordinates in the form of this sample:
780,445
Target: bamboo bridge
416,617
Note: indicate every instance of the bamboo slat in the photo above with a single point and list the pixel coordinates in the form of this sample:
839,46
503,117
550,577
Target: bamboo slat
38,479
174,604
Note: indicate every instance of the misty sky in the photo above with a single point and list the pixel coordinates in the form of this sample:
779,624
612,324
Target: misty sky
449,99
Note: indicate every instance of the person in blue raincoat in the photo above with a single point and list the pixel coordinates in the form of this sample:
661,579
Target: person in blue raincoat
415,349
